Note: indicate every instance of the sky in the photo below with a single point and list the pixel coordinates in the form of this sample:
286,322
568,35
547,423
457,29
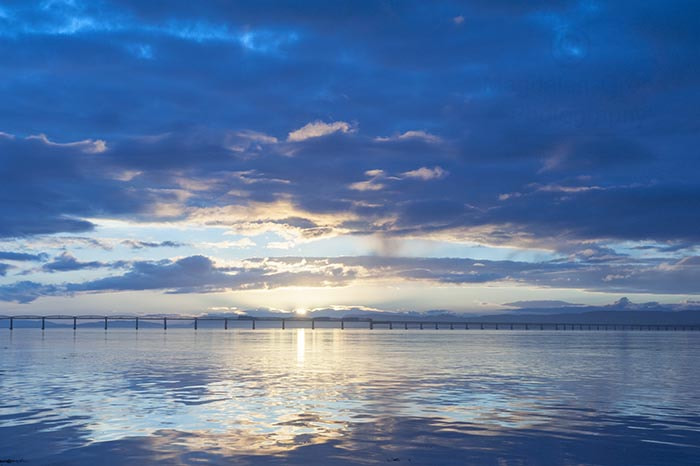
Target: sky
212,156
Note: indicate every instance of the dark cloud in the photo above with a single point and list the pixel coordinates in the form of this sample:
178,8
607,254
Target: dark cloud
22,256
26,291
199,274
541,304
546,123
48,186
68,263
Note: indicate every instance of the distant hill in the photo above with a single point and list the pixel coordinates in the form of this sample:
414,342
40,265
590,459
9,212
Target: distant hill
622,311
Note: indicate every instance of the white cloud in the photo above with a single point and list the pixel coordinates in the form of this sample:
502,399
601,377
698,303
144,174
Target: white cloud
89,146
281,245
242,243
256,136
425,173
413,134
319,128
369,185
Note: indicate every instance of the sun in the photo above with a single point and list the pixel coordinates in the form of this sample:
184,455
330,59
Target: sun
300,311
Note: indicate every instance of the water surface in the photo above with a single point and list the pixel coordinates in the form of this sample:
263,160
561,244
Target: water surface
349,397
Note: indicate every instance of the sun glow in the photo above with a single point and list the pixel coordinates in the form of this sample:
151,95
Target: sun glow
301,311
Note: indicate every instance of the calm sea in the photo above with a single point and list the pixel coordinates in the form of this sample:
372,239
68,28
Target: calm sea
349,397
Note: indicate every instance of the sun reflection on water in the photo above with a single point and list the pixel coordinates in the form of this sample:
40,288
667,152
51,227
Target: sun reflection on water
301,346
280,389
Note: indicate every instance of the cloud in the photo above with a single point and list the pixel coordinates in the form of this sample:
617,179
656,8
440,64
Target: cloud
137,244
49,188
369,185
68,263
26,291
200,274
317,129
423,136
425,174
22,256
242,243
550,140
541,304
89,146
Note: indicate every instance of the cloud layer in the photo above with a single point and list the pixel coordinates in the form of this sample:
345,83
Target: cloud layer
199,274
569,127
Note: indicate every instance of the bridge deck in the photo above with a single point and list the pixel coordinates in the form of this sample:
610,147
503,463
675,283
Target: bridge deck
342,323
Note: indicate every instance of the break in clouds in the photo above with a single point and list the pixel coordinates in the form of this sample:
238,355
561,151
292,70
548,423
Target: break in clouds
568,127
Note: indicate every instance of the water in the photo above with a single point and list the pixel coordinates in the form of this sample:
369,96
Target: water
349,397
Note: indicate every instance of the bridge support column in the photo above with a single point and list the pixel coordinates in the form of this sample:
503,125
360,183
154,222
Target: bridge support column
43,323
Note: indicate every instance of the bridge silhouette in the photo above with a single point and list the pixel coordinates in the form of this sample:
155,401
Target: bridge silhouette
333,322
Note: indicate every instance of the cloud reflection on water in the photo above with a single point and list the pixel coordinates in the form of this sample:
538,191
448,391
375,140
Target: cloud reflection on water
259,396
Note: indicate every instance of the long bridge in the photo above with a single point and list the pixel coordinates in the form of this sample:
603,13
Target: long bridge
334,322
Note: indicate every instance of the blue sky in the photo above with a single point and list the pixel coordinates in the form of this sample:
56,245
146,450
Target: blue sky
396,155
